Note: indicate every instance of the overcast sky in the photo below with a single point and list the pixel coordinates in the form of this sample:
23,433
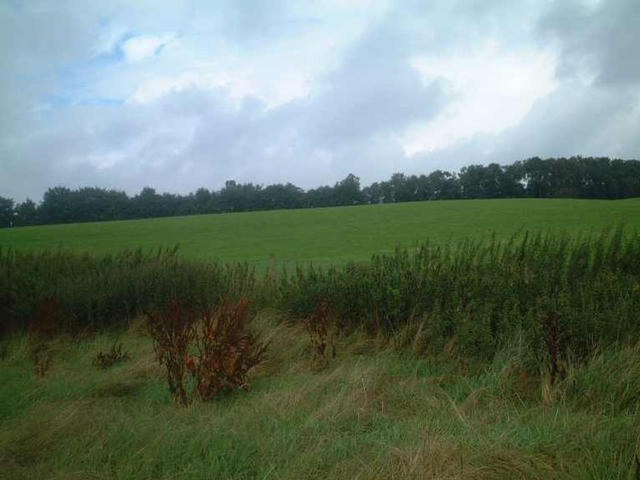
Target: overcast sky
188,94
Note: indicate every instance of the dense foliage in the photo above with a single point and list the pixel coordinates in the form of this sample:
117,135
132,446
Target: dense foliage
84,292
563,297
577,177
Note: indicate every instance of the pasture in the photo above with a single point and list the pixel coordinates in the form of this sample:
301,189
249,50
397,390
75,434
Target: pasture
332,235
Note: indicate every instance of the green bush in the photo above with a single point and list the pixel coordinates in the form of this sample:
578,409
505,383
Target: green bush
570,295
95,292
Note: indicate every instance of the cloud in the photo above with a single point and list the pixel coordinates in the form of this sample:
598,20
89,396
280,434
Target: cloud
598,40
143,46
125,95
509,84
573,120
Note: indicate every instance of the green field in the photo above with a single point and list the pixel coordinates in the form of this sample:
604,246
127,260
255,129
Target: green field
330,235
412,402
373,414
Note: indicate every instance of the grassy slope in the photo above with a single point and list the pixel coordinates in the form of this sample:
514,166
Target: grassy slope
371,414
329,235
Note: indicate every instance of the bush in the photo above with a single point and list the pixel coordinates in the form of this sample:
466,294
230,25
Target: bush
226,350
569,295
95,292
321,334
214,346
173,332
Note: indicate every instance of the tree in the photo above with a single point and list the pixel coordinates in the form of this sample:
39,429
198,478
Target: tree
6,212
444,185
147,203
552,177
26,213
202,201
347,191
57,206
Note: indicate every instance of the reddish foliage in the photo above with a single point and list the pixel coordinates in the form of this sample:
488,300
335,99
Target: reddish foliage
115,355
42,358
47,319
6,304
173,331
555,341
318,326
43,325
226,351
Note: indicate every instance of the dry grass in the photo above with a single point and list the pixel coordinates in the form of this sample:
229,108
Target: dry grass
370,414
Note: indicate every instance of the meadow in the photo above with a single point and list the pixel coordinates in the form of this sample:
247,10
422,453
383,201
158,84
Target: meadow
504,347
332,235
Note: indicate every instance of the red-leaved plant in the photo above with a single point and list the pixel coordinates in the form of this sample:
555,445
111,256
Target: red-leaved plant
319,328
214,346
173,332
226,350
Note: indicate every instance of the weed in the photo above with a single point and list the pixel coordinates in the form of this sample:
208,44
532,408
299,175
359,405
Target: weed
115,355
42,357
555,341
226,350
92,292
570,297
318,326
173,331
42,327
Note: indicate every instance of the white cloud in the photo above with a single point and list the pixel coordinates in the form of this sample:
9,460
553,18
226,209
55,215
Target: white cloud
143,46
494,89
157,87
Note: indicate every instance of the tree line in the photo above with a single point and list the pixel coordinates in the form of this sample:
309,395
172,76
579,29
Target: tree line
575,177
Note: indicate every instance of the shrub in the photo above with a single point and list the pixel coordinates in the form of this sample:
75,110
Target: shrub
42,327
318,326
173,331
214,346
569,295
101,291
226,350
42,357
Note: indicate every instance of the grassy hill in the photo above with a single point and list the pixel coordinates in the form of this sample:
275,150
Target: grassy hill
330,235
509,362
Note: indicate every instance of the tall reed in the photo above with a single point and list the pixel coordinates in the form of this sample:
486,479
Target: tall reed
567,295
101,291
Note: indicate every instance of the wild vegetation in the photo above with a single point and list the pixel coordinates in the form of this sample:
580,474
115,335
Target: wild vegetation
575,177
565,297
502,357
67,292
225,349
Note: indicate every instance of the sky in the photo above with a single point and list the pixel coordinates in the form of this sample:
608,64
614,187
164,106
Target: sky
182,95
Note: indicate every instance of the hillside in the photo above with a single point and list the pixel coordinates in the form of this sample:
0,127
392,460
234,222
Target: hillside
330,235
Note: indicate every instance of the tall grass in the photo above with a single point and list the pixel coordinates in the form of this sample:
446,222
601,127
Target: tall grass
92,292
567,296
568,308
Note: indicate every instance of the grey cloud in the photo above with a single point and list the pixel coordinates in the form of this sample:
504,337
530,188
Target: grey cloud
375,90
374,94
350,121
603,40
574,120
